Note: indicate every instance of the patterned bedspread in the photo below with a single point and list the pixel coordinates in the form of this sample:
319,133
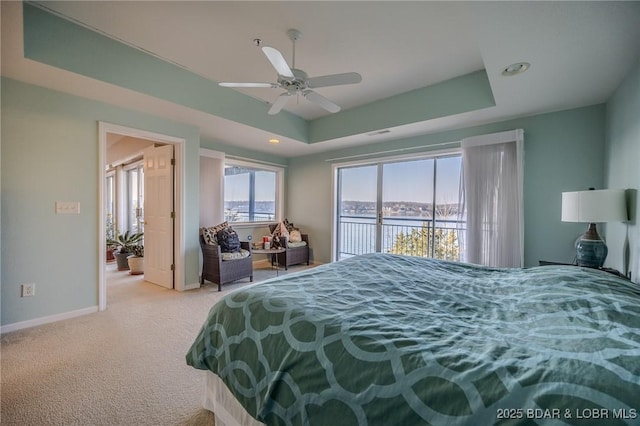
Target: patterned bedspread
389,340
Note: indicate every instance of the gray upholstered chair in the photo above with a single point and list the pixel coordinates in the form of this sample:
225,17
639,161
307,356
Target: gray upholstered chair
220,271
292,255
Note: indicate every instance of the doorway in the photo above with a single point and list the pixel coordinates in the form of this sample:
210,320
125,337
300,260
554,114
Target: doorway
132,144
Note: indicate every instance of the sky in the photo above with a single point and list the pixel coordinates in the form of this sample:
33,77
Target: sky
404,181
237,187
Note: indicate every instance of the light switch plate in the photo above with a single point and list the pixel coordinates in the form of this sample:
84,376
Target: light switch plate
67,207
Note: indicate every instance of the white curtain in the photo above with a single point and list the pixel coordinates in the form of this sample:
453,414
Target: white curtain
491,199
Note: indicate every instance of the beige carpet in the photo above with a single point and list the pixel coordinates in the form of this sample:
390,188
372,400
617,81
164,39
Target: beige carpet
122,366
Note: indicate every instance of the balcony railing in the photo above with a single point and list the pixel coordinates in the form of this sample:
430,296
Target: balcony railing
243,216
407,236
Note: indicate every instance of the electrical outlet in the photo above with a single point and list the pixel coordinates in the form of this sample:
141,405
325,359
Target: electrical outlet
28,290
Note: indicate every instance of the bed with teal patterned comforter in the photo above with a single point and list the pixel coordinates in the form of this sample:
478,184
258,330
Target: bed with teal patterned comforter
382,339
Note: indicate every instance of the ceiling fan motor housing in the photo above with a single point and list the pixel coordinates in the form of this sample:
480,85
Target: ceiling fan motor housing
296,84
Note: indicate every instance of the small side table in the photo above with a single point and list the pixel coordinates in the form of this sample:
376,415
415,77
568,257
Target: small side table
273,254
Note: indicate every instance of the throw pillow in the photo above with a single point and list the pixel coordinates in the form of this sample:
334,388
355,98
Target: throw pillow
277,234
219,227
228,240
211,234
295,236
290,227
281,230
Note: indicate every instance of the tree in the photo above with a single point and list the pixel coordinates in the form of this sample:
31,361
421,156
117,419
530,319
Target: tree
417,242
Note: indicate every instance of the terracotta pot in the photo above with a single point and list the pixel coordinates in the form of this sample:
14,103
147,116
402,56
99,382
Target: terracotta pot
110,255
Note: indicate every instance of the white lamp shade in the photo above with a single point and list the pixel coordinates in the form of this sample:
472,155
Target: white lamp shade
604,205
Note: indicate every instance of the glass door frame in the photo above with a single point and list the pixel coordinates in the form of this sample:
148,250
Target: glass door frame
379,162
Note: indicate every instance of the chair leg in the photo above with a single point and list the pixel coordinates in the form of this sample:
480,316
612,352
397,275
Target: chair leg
219,287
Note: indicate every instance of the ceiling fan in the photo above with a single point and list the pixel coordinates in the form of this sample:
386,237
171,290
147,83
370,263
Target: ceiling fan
296,81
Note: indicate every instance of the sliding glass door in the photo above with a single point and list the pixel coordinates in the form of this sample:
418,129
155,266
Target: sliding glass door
358,211
407,207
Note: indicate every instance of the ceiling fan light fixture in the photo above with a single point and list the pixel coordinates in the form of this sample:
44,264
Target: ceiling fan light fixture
515,69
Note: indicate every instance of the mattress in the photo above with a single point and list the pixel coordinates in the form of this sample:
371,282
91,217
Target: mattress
386,339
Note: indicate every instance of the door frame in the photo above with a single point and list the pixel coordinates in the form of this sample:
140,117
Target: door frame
370,160
178,225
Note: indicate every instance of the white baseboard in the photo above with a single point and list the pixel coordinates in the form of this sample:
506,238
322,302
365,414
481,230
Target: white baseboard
192,286
46,320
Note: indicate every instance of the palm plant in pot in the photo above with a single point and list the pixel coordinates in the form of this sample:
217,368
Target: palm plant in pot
125,243
136,260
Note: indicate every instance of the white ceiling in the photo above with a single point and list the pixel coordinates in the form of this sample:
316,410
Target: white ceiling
579,53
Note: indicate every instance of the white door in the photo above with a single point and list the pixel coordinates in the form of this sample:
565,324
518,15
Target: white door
158,215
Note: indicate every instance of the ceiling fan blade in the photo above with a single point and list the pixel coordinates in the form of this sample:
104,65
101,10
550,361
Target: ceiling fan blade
321,100
334,79
272,85
278,104
278,62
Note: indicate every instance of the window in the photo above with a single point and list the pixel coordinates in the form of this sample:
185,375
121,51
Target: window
135,197
404,206
252,192
110,204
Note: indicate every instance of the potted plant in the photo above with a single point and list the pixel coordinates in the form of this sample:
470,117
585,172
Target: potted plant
136,260
125,242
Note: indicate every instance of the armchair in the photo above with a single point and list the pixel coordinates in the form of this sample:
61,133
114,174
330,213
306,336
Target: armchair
292,255
220,271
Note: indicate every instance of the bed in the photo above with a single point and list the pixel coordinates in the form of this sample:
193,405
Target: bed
382,339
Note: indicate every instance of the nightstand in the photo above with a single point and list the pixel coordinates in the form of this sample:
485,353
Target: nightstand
609,270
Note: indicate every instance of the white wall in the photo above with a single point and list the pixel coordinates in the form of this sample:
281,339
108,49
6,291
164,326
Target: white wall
211,188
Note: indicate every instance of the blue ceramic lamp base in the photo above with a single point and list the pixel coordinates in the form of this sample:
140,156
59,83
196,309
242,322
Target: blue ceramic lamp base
591,251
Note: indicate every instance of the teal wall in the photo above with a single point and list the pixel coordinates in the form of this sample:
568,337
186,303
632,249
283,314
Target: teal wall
58,42
54,41
243,152
563,152
256,232
50,153
622,170
461,94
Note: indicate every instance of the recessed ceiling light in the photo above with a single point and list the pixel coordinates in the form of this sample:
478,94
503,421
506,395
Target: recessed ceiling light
517,68
274,141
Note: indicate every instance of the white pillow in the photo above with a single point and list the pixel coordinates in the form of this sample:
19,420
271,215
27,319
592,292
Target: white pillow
294,236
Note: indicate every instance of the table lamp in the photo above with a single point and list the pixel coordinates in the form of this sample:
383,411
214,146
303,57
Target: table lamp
593,206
